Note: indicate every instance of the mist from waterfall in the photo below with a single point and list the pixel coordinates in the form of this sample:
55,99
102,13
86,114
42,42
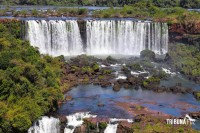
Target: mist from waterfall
103,37
46,125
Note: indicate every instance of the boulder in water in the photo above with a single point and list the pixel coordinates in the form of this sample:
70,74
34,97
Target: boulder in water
68,98
195,115
105,84
126,86
124,127
116,87
100,104
147,55
133,80
197,95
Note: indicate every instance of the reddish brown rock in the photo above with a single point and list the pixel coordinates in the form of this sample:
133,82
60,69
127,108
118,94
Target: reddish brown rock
116,87
124,127
68,98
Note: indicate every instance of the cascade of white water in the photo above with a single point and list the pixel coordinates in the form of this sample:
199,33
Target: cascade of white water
76,120
69,130
111,128
126,37
55,37
104,37
97,126
52,125
46,125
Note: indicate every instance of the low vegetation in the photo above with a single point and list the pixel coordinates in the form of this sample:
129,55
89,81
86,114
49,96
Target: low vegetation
135,67
91,127
160,3
151,81
151,124
197,95
67,12
145,10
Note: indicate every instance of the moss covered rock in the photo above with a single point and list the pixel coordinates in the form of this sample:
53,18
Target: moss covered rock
147,55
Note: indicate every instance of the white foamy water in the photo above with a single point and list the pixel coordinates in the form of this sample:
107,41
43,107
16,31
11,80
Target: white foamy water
46,125
52,125
115,65
55,37
168,71
76,120
111,128
138,72
103,66
121,77
69,130
117,120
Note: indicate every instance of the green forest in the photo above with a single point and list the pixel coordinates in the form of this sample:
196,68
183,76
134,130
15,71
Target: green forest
29,82
160,3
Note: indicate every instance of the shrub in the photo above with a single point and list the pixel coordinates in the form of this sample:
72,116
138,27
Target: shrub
86,69
82,11
135,67
95,67
151,81
34,12
100,77
106,71
102,125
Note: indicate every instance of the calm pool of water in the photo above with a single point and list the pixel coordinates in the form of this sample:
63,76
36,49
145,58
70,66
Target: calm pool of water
87,98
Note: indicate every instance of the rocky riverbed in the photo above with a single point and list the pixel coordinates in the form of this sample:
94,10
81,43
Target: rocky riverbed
120,73
127,88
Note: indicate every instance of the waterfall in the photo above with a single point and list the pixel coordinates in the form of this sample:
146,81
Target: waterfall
69,129
126,37
52,125
76,120
111,128
55,37
97,126
46,125
103,37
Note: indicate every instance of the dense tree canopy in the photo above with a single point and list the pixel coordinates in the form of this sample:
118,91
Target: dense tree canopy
190,3
160,3
29,83
186,59
166,3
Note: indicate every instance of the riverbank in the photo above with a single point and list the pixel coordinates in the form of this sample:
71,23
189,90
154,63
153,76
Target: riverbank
112,3
140,10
